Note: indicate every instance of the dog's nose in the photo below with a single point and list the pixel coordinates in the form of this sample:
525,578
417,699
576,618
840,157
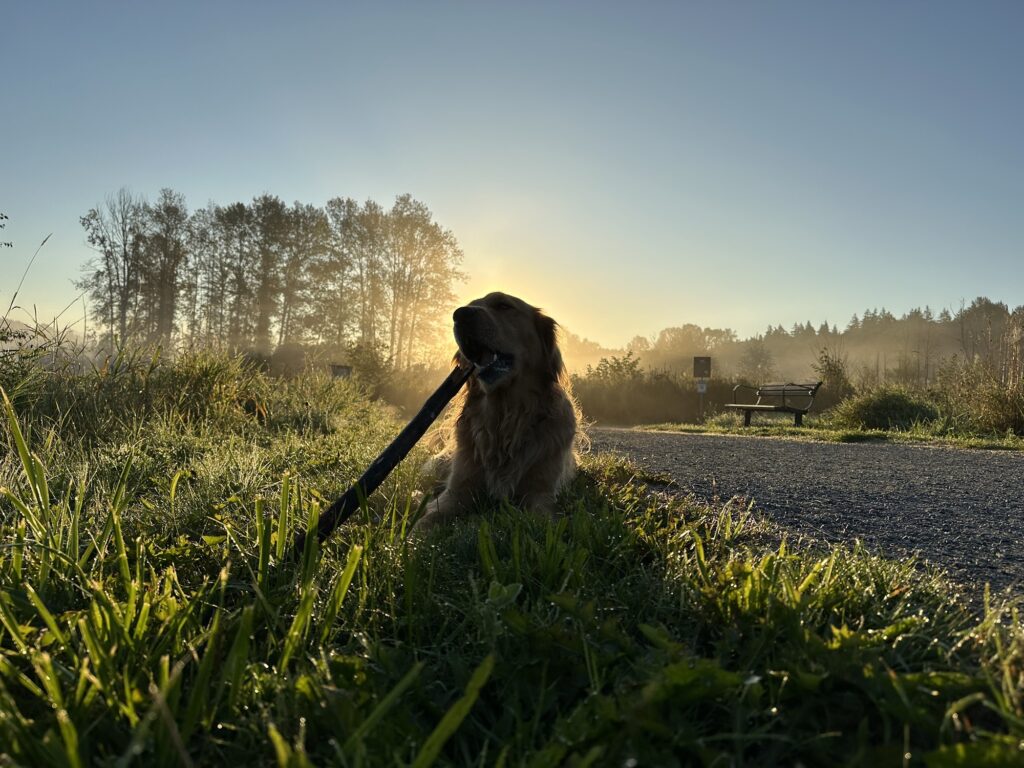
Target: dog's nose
463,313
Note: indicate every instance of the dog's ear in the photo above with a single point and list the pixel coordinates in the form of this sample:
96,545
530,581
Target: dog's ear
547,331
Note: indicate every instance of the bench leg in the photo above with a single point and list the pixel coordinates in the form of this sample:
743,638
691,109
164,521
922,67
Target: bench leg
799,418
746,418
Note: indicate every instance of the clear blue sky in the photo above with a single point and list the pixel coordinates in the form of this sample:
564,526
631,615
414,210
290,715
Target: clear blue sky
624,165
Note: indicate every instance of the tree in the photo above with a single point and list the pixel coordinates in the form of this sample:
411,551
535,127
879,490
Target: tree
236,231
616,371
270,224
116,231
639,346
333,275
366,233
203,280
165,242
757,364
982,326
252,276
305,244
420,265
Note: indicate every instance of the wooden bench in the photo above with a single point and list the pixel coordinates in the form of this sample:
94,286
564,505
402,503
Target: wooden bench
784,398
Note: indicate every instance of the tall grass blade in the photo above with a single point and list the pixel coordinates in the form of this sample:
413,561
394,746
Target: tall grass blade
453,717
238,657
283,522
200,696
262,547
383,706
339,591
45,614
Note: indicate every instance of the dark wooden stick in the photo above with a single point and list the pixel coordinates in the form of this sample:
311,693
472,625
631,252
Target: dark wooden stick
343,508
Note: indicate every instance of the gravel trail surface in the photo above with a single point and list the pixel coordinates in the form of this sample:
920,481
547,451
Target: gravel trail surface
961,509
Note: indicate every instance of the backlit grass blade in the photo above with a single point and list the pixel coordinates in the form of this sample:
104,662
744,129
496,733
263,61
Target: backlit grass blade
43,665
10,623
69,735
283,522
282,750
487,552
26,512
453,717
9,671
297,630
699,558
120,496
237,658
339,591
383,706
287,756
173,492
27,460
310,551
45,614
263,543
199,699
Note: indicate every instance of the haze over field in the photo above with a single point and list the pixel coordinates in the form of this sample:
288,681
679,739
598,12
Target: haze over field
625,166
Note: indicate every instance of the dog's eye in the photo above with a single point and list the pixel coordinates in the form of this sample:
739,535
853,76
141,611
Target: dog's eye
503,305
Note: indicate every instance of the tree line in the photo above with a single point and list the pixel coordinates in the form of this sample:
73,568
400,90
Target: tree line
877,347
258,275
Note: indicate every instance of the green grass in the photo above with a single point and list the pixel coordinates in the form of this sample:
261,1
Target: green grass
151,613
823,429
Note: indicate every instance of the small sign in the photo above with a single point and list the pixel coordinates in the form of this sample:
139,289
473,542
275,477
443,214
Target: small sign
339,371
702,386
702,367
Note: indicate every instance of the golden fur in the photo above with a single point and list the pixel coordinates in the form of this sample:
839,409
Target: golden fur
515,425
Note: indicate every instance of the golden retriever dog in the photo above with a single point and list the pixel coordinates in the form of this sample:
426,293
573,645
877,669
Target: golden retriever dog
515,425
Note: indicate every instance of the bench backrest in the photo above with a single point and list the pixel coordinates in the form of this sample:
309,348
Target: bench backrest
788,389
787,392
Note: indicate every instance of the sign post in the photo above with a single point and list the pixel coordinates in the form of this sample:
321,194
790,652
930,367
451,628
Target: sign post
702,372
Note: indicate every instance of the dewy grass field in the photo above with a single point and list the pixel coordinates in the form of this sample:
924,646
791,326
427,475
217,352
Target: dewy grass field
151,613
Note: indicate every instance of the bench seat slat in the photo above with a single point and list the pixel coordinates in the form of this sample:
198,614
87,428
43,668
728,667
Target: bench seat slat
762,407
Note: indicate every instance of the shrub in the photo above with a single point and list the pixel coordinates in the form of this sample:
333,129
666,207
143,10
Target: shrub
831,368
409,389
619,392
884,408
979,401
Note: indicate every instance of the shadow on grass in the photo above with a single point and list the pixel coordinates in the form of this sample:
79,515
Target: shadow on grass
650,629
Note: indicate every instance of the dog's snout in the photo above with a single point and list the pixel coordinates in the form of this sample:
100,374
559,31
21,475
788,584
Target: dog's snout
462,314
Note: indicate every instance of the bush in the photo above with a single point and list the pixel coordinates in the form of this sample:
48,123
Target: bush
884,408
409,389
618,392
831,368
978,401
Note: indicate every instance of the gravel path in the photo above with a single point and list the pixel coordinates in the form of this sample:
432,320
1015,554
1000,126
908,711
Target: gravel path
961,509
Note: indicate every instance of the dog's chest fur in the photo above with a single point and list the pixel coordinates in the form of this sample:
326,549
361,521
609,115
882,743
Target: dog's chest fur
508,436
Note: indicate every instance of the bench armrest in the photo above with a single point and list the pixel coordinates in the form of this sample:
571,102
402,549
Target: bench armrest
738,387
811,392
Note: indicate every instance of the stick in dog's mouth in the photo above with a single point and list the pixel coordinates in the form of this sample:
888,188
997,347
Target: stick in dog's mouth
491,366
500,366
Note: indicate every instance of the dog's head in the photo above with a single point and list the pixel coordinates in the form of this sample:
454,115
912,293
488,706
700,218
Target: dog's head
506,338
